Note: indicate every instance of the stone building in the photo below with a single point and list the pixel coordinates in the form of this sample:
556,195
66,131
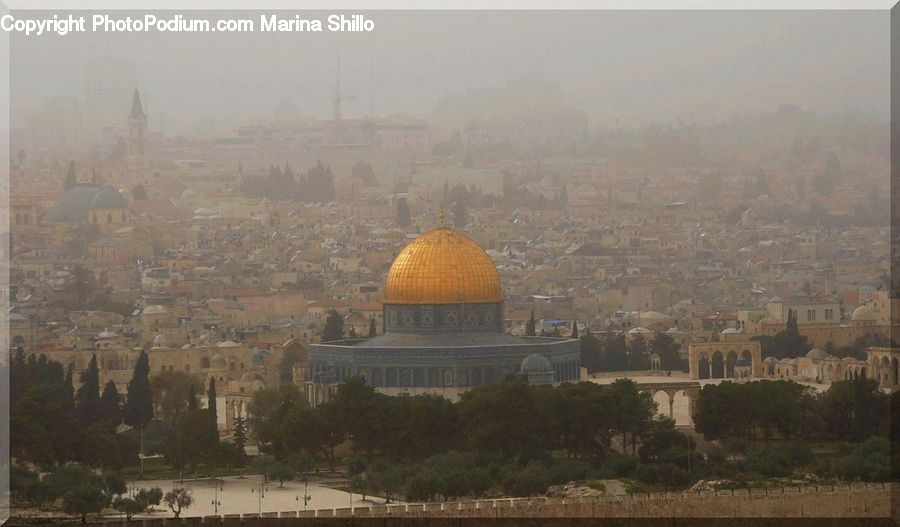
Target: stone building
443,329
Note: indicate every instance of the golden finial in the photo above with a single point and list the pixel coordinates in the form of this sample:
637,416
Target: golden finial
441,224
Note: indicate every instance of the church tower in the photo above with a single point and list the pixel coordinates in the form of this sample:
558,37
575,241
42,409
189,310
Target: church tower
137,127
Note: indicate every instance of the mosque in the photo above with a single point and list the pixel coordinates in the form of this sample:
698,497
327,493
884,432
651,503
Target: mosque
443,329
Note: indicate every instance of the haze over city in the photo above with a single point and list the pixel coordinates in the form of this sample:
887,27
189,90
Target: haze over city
490,264
634,67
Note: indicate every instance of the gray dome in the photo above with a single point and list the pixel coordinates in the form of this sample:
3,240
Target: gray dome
109,198
535,363
816,354
74,205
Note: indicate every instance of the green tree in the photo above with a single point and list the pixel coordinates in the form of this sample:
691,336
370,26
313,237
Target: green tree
173,392
633,411
87,397
574,329
83,500
372,329
279,472
855,410
211,402
665,346
334,327
129,506
240,439
530,326
110,405
138,409
194,440
178,499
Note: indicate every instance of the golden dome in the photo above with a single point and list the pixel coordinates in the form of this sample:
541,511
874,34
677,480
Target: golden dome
442,266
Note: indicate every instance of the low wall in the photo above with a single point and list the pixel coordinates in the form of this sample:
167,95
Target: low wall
854,501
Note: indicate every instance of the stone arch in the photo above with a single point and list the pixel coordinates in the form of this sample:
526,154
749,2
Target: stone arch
703,366
405,377
204,362
717,365
434,377
662,400
730,360
895,371
377,377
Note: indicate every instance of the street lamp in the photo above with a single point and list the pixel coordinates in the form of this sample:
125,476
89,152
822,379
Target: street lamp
306,496
217,482
260,493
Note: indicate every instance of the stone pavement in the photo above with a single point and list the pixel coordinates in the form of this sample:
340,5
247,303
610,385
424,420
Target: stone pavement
242,496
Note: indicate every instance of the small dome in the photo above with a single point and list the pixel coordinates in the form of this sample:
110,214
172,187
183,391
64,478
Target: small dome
159,341
730,331
863,314
154,310
227,344
109,198
106,334
847,360
535,363
816,354
639,331
770,360
776,300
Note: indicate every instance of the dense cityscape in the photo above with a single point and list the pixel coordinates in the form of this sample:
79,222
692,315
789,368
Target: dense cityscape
500,299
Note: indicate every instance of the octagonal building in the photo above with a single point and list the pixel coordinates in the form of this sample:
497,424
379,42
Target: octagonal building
443,327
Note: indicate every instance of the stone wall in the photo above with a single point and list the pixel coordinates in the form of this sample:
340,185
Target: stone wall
856,501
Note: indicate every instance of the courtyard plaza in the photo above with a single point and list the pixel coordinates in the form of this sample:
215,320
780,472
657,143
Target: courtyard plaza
238,495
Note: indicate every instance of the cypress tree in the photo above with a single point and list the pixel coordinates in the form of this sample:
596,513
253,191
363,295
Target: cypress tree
240,438
192,398
69,383
211,401
111,404
574,329
139,405
530,326
372,329
334,327
87,398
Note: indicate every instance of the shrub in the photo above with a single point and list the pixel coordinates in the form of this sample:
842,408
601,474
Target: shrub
620,466
530,481
566,470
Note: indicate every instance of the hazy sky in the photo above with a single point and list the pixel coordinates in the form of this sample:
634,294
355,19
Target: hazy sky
639,67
